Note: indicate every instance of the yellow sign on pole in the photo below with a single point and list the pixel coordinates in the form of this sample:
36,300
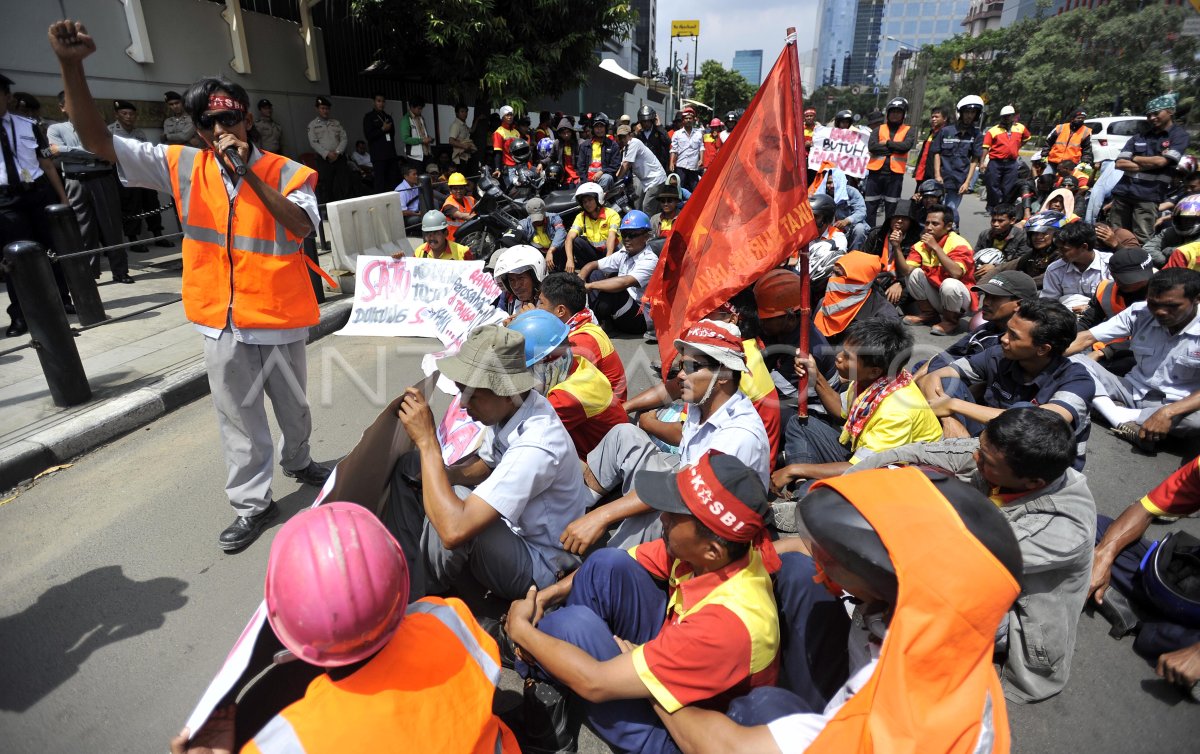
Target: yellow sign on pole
685,28
958,64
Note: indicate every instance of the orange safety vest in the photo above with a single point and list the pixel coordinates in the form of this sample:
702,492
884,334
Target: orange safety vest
897,161
1072,147
1112,304
466,205
429,689
846,294
934,688
239,262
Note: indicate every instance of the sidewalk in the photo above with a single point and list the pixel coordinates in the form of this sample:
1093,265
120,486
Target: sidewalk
139,367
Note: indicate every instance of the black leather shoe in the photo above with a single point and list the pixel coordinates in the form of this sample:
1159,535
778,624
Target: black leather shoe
245,529
508,650
165,243
123,279
140,248
69,308
548,725
314,474
16,328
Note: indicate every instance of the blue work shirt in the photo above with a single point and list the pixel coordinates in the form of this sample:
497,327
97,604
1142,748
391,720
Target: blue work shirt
1151,185
1062,383
958,146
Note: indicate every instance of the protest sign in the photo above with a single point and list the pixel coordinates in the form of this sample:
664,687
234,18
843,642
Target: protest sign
845,148
458,434
426,298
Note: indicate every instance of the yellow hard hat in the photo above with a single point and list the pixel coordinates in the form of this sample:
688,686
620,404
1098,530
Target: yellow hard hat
457,179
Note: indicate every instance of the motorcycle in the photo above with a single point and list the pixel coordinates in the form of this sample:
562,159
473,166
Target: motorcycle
496,213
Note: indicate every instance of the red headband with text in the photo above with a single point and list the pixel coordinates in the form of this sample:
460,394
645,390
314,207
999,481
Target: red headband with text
223,102
720,510
706,333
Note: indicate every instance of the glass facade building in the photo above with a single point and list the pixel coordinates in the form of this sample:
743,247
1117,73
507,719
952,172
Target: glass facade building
749,64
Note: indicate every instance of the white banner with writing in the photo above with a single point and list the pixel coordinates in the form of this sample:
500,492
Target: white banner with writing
844,148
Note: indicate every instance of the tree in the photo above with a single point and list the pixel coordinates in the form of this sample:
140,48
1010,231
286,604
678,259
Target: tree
721,89
496,53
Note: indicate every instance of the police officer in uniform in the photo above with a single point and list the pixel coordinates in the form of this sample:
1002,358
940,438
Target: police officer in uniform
328,139
270,133
136,200
28,182
177,126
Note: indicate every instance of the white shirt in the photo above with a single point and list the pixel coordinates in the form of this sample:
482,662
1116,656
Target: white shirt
688,149
535,484
644,164
640,266
362,160
144,165
1165,362
23,141
1065,279
736,429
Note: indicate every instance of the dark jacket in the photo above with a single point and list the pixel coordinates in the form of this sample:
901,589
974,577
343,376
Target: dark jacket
379,145
887,148
1017,245
610,157
659,143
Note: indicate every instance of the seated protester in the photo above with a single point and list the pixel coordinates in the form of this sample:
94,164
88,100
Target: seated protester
1022,461
579,392
1000,297
825,249
694,611
1074,278
437,244
1110,239
616,283
564,296
1068,169
369,643
929,194
756,384
1160,395
1131,270
850,213
777,298
593,235
1024,192
1004,235
892,242
1169,635
520,271
599,158
1062,200
460,205
857,291
883,408
1040,230
664,220
1027,367
926,652
525,479
719,417
544,230
1185,229
939,273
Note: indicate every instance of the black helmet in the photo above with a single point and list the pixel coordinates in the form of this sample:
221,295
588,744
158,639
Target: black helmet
931,186
1186,216
843,115
520,150
1070,183
897,104
847,537
601,119
645,113
823,208
554,172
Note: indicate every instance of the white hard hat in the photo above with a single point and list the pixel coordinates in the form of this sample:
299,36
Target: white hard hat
590,187
433,220
1008,110
520,259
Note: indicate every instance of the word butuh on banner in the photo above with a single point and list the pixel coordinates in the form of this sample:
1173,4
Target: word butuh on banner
844,148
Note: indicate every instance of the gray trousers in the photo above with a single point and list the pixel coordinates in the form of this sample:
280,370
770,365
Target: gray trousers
624,451
497,558
97,205
1118,390
238,375
1133,215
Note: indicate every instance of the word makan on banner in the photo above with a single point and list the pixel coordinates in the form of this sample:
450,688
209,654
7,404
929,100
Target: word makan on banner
844,148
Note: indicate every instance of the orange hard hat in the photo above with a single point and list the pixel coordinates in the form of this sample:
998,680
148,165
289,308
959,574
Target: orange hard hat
778,293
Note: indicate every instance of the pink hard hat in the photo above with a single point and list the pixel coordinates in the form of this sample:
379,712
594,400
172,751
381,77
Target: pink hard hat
337,585
715,122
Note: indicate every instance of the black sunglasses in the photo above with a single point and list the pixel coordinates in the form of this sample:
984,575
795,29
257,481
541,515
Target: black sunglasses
227,118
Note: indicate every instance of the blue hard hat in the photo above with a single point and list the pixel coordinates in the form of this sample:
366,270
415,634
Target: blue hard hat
1046,221
1170,577
543,333
635,220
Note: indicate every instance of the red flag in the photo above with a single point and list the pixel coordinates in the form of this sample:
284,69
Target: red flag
746,216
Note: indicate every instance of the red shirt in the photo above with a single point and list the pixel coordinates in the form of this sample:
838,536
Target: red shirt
958,249
919,172
721,634
592,343
585,403
1005,144
1178,495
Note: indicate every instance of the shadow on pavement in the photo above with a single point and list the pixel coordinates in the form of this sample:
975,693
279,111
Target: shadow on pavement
46,644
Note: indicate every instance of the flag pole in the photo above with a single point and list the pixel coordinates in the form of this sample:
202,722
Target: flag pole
801,167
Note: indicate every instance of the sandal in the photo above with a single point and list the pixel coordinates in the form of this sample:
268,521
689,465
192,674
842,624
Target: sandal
920,319
943,328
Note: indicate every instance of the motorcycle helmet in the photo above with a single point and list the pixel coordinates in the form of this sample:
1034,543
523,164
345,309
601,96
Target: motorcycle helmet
1170,575
930,187
989,256
554,173
600,119
545,147
589,187
646,114
1046,221
518,259
543,333
970,102
1186,166
823,208
897,104
1186,216
520,150
841,116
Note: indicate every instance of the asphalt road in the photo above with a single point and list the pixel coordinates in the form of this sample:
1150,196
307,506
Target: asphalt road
116,607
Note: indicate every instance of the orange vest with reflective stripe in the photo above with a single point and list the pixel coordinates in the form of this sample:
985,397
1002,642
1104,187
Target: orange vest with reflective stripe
466,206
429,689
897,162
846,294
934,688
1068,144
1112,304
239,262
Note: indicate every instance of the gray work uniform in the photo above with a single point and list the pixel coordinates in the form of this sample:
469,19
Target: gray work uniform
270,134
94,193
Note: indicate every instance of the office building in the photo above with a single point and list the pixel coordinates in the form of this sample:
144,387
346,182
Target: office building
914,24
835,36
749,64
644,34
863,65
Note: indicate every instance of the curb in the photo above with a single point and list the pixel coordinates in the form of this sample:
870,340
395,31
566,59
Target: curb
113,417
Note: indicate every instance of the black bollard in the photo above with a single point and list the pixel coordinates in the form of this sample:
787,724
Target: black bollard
66,238
52,338
425,195
310,250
